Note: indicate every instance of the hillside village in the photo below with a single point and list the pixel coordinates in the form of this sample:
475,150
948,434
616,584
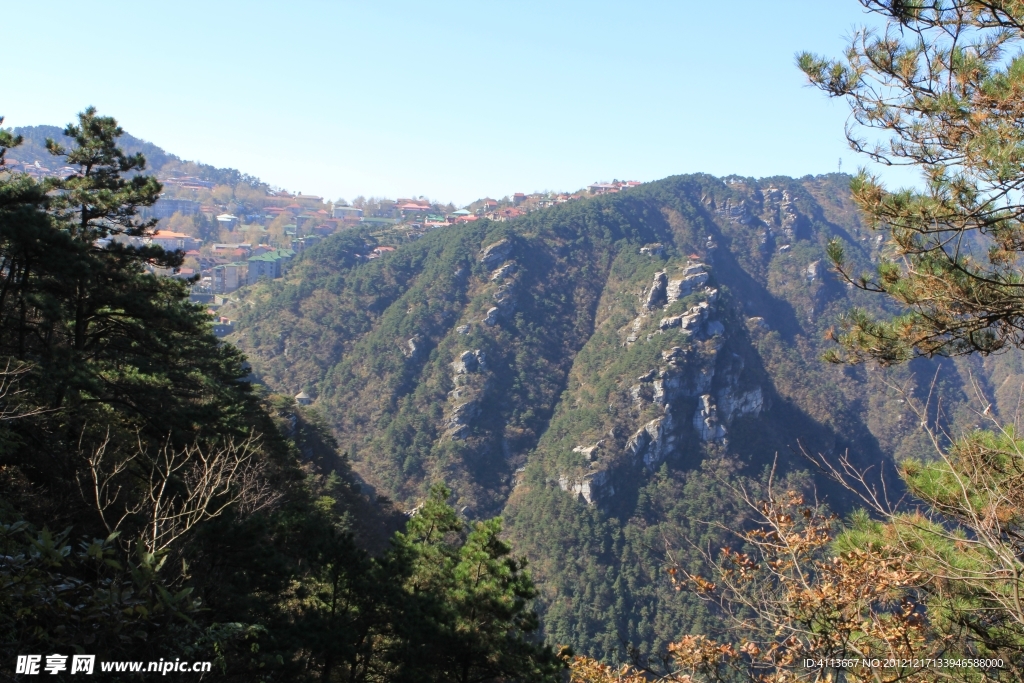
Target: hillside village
235,229
233,240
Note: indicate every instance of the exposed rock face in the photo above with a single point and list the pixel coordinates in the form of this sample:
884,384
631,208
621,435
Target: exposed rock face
494,254
667,323
652,442
462,329
590,486
656,295
413,346
688,374
812,271
469,361
505,298
715,329
705,420
505,271
694,277
732,406
736,212
456,423
655,249
588,452
492,317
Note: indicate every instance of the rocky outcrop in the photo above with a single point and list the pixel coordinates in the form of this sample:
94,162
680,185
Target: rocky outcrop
589,452
589,487
691,320
505,298
495,254
652,442
505,271
413,346
758,323
694,277
732,405
456,423
655,296
668,323
705,420
491,318
655,249
469,361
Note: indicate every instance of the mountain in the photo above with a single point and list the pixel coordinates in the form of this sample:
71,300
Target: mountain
603,373
158,161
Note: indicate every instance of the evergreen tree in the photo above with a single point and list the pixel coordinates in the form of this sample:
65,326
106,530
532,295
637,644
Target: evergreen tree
470,602
939,89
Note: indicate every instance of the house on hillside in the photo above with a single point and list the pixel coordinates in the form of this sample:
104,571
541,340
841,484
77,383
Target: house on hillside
602,188
270,265
229,277
175,241
349,214
412,209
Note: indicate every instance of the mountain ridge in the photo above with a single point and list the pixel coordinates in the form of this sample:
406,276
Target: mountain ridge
499,356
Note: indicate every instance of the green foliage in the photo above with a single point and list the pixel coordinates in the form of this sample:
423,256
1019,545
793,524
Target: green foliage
473,599
937,88
204,520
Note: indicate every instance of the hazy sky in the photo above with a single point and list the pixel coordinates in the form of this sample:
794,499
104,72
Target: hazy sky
451,100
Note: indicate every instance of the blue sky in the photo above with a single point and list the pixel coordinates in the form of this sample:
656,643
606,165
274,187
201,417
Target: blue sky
451,100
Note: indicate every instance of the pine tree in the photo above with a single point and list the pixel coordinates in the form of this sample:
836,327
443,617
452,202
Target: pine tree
939,89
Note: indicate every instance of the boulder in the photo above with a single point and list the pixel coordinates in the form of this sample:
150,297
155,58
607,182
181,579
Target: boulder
491,318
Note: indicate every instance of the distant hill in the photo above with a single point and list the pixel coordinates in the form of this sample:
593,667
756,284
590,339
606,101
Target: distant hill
158,161
597,372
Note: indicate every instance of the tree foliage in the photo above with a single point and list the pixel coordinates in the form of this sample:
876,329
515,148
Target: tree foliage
152,504
938,88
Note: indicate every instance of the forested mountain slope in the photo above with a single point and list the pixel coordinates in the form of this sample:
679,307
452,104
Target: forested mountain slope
599,371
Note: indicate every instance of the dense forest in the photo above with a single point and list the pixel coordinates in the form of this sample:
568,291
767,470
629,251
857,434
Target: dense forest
155,505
